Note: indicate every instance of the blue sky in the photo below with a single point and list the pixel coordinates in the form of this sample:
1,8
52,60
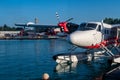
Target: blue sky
20,11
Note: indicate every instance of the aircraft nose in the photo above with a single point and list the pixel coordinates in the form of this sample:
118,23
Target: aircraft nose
80,38
73,38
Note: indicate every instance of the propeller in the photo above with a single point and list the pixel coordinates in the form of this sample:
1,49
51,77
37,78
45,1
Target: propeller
69,20
66,26
57,17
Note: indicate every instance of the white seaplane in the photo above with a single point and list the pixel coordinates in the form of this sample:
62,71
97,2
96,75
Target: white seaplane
93,35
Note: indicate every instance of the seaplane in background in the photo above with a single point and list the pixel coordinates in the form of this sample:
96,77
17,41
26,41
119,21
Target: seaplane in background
61,29
88,35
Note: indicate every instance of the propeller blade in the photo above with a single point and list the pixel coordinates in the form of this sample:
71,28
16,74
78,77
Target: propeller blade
57,16
69,20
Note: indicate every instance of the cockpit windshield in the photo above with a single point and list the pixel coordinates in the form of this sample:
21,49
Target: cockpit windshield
87,26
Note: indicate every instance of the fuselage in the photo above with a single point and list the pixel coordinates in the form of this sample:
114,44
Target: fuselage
93,34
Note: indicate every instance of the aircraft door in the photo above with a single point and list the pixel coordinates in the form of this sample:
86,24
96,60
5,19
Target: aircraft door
99,35
118,33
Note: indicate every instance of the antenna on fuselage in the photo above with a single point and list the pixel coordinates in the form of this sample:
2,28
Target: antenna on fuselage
102,27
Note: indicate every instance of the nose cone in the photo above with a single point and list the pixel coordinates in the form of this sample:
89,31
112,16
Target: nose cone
81,38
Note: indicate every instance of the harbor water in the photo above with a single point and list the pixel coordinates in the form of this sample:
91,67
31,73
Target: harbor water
29,59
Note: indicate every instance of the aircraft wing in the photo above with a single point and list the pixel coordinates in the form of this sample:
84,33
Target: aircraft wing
20,24
65,27
36,25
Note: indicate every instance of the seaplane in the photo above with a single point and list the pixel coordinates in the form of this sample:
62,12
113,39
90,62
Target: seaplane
65,27
92,36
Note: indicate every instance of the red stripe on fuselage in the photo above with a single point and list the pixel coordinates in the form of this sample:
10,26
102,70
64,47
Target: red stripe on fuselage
105,43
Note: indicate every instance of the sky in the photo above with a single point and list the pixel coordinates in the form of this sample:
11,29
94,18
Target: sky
23,11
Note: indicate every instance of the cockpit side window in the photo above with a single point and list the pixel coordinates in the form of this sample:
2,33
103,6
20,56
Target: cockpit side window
91,25
99,28
87,26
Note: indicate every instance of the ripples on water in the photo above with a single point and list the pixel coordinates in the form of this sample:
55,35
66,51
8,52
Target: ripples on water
29,59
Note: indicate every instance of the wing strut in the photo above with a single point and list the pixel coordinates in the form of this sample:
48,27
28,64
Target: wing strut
107,50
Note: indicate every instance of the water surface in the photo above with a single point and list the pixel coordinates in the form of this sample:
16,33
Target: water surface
29,59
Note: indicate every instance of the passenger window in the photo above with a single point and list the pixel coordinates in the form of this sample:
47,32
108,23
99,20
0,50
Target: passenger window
107,31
